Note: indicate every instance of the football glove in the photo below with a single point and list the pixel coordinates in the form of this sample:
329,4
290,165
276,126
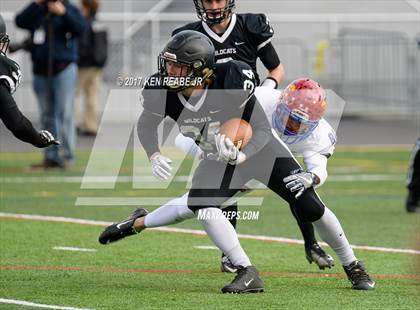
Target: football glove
161,166
299,181
227,151
47,138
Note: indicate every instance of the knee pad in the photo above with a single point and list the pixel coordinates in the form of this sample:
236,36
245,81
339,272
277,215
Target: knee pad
310,206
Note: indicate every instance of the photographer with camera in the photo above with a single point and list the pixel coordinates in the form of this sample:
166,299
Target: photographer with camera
55,26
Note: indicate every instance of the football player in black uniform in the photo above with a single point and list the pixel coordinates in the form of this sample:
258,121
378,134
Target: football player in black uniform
244,37
247,37
10,114
412,203
199,109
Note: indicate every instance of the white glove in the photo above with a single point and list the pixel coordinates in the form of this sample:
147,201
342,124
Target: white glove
299,181
161,166
227,151
47,138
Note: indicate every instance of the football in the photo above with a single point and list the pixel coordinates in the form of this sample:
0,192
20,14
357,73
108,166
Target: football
238,131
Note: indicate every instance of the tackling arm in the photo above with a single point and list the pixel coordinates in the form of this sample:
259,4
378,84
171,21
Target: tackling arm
18,124
317,164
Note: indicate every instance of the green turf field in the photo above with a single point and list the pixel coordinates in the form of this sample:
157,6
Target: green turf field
166,270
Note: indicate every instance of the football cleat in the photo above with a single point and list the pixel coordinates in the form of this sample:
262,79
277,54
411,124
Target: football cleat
118,231
226,265
314,253
412,204
358,276
247,280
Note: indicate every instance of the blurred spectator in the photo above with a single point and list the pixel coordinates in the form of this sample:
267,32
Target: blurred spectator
54,26
413,198
92,57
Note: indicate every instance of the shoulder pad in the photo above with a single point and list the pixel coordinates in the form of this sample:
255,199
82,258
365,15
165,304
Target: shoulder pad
239,75
153,98
10,73
259,29
191,26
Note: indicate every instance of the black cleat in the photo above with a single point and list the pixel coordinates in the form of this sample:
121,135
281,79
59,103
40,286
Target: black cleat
314,253
412,204
118,231
226,265
246,281
358,276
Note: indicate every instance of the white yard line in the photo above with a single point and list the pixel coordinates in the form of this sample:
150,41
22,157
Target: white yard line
31,304
206,247
149,201
196,232
69,248
181,178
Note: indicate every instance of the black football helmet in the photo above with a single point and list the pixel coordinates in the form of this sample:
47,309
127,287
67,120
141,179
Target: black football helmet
4,38
193,52
208,15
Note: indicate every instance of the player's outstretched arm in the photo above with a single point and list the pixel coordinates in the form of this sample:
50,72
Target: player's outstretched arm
275,77
317,164
19,125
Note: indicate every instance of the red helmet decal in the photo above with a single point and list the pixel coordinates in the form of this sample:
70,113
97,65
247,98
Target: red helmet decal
306,98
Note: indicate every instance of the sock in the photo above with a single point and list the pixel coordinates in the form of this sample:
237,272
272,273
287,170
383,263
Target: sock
172,212
223,235
330,230
306,227
229,211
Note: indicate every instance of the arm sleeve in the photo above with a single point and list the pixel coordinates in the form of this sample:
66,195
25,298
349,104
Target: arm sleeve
261,129
15,121
30,17
317,164
269,57
147,131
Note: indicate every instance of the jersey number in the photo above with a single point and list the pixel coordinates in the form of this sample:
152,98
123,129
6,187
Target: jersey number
206,141
248,83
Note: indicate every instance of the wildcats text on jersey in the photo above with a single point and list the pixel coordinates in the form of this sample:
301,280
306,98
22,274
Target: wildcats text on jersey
225,51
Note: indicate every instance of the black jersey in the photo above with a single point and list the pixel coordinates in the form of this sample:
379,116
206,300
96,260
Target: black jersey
10,73
245,36
10,114
229,96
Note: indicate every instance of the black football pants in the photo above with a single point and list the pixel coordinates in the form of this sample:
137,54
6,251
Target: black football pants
214,182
